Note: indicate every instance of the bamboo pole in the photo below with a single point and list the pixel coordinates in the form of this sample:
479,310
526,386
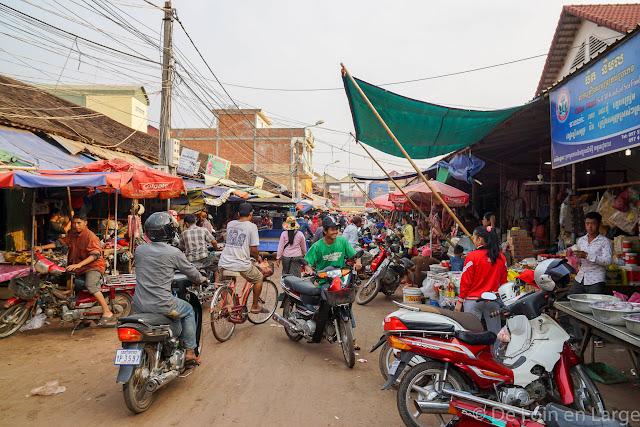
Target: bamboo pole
405,195
374,205
382,122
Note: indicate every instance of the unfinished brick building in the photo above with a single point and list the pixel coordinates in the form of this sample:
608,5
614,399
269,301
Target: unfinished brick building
245,137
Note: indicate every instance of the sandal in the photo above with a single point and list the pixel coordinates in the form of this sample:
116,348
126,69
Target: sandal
192,361
104,320
262,310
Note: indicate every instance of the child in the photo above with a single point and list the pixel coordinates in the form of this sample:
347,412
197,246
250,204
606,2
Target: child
457,261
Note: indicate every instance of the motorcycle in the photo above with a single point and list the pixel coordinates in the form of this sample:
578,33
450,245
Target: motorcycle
153,353
387,276
473,411
536,365
302,300
35,294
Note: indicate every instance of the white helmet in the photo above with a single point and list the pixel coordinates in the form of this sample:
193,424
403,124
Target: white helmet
553,272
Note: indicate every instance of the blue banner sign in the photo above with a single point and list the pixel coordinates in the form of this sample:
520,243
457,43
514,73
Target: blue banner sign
378,189
597,112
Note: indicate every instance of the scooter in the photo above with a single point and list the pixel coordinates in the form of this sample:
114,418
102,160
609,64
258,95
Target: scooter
536,365
153,353
35,294
302,301
387,276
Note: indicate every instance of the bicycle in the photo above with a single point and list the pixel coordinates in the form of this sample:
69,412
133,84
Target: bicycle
227,312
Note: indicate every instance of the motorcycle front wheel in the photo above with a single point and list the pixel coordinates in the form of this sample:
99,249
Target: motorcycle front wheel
288,307
346,341
419,384
136,397
367,292
12,319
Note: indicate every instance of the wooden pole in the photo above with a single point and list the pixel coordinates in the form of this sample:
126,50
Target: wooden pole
374,205
393,137
71,213
397,184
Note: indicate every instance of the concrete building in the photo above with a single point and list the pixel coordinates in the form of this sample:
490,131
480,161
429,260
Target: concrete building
125,104
245,137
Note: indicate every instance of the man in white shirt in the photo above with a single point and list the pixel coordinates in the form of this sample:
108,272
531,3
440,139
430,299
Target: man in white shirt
351,231
595,256
241,244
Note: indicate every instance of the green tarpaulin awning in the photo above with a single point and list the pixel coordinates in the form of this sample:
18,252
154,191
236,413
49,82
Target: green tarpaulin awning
424,130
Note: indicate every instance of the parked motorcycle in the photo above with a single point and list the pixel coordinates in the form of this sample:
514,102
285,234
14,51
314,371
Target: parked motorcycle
35,294
537,365
387,276
153,352
302,301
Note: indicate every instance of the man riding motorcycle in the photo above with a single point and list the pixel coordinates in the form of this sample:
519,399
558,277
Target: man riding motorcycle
156,263
331,250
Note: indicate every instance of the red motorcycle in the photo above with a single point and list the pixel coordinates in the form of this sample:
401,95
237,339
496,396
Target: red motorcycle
35,294
388,269
537,365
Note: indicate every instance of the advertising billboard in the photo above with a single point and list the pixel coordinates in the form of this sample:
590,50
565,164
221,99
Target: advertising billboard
597,112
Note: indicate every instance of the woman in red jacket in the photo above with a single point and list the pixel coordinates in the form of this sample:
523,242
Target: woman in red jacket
485,269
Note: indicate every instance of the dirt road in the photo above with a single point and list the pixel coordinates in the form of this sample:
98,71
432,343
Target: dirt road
258,377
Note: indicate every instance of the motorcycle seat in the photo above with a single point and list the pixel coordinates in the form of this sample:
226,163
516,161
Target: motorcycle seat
476,338
153,319
555,415
468,321
417,325
301,286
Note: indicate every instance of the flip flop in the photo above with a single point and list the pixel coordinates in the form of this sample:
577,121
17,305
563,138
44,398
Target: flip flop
104,320
192,361
262,310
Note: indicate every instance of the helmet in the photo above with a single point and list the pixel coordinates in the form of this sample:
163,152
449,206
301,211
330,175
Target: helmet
161,227
552,273
395,248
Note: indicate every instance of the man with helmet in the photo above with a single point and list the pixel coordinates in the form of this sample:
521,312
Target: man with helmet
156,263
330,251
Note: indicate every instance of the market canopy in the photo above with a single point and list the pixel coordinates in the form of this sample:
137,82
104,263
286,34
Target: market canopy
424,130
421,193
33,180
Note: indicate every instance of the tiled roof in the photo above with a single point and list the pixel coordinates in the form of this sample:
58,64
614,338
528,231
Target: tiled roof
618,17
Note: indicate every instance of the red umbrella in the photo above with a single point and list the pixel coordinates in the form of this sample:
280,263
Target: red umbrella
420,193
399,204
135,181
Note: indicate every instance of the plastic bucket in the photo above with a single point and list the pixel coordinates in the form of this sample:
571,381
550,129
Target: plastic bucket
626,246
412,295
631,258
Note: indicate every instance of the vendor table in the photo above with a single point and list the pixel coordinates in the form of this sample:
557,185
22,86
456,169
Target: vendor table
617,334
7,272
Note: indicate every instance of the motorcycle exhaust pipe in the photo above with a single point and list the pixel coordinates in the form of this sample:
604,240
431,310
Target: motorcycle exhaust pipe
284,322
492,403
425,407
160,381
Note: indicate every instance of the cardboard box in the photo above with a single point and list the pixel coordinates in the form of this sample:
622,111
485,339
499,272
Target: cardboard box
517,233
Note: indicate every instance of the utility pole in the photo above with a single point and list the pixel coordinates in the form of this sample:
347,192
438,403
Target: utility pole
165,149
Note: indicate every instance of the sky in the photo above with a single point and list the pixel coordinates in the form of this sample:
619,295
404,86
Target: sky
287,54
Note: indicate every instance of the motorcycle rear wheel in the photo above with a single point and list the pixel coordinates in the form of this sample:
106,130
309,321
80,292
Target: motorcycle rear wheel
346,341
416,384
12,319
387,356
367,292
222,302
124,300
136,397
287,309
587,396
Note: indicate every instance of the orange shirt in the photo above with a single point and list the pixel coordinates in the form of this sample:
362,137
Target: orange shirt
81,246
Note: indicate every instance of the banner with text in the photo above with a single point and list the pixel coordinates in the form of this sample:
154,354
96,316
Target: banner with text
218,167
598,111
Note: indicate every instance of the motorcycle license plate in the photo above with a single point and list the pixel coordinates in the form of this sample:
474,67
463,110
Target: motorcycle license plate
126,356
393,367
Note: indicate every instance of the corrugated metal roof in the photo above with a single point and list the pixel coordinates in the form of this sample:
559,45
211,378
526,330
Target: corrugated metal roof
75,147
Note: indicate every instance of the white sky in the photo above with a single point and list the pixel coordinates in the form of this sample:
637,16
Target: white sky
291,44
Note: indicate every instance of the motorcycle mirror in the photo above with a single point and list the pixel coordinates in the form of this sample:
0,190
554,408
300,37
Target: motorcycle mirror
489,296
303,261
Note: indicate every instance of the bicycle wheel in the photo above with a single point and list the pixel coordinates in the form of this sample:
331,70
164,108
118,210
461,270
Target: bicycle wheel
222,302
268,301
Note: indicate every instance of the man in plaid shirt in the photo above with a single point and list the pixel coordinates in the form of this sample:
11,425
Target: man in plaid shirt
195,240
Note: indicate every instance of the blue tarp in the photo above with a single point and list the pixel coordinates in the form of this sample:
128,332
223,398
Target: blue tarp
463,166
32,180
30,147
396,177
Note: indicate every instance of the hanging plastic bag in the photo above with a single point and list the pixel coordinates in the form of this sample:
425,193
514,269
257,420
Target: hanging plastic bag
504,335
622,201
566,220
605,208
625,221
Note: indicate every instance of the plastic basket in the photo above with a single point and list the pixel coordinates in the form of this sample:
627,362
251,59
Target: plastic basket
341,297
24,287
601,372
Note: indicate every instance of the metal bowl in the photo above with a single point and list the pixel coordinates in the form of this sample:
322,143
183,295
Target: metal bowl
611,312
580,302
632,321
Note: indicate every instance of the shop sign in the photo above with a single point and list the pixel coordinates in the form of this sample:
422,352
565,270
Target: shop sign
597,112
217,167
259,182
188,163
378,189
